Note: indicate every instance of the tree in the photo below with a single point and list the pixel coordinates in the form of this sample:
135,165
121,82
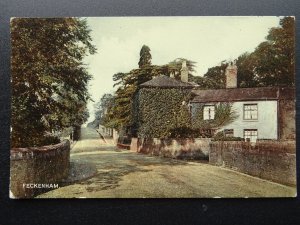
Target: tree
271,64
276,56
145,56
49,78
174,67
246,64
121,114
215,78
102,107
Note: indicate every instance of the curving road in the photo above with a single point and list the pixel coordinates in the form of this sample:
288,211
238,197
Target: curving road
125,174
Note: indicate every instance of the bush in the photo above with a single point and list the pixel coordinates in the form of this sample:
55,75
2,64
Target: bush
221,137
49,140
229,139
183,132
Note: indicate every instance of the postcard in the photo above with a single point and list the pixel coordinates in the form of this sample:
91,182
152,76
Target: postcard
153,107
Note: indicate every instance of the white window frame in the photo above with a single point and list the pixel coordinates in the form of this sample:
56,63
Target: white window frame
250,111
209,112
252,134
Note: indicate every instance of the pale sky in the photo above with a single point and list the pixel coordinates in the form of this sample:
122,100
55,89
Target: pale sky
205,40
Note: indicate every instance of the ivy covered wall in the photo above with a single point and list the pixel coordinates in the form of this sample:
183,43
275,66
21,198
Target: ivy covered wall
165,113
162,112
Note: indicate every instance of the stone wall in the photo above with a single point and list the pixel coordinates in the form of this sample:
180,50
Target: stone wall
186,148
271,160
38,165
286,120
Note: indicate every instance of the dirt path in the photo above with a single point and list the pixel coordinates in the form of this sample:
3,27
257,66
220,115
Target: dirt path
125,174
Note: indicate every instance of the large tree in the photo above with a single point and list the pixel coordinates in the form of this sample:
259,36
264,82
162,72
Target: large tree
215,76
276,56
145,56
271,64
49,78
246,64
121,113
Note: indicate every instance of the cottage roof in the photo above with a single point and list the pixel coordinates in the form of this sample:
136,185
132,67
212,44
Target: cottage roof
163,81
243,94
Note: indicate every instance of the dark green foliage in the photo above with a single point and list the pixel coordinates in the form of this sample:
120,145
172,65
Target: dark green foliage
276,56
221,137
120,115
48,140
184,132
102,108
215,78
161,113
246,64
174,67
145,56
49,78
271,64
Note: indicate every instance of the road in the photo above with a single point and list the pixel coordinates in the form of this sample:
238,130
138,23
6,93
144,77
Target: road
126,174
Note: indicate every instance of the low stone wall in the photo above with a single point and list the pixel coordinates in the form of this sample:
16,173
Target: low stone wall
47,165
186,148
269,160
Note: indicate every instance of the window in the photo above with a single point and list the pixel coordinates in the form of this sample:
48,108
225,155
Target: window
250,134
208,112
228,133
250,112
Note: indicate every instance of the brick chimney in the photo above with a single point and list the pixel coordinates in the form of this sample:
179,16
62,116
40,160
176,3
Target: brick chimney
231,75
184,72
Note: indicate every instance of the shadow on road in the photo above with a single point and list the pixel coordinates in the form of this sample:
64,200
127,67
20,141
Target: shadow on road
90,149
112,166
110,179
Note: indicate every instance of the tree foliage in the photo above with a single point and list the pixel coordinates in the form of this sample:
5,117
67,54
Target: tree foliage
49,78
120,115
145,56
215,76
174,67
161,113
224,115
271,64
276,56
101,108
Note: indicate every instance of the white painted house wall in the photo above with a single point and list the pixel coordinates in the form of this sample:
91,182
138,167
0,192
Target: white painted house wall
266,124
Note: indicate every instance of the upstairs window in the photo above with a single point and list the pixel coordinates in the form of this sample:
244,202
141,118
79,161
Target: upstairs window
250,112
208,112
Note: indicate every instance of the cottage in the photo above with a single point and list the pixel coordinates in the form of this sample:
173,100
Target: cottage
261,112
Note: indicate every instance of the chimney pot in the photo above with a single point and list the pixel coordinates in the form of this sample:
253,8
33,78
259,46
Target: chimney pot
184,72
231,76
